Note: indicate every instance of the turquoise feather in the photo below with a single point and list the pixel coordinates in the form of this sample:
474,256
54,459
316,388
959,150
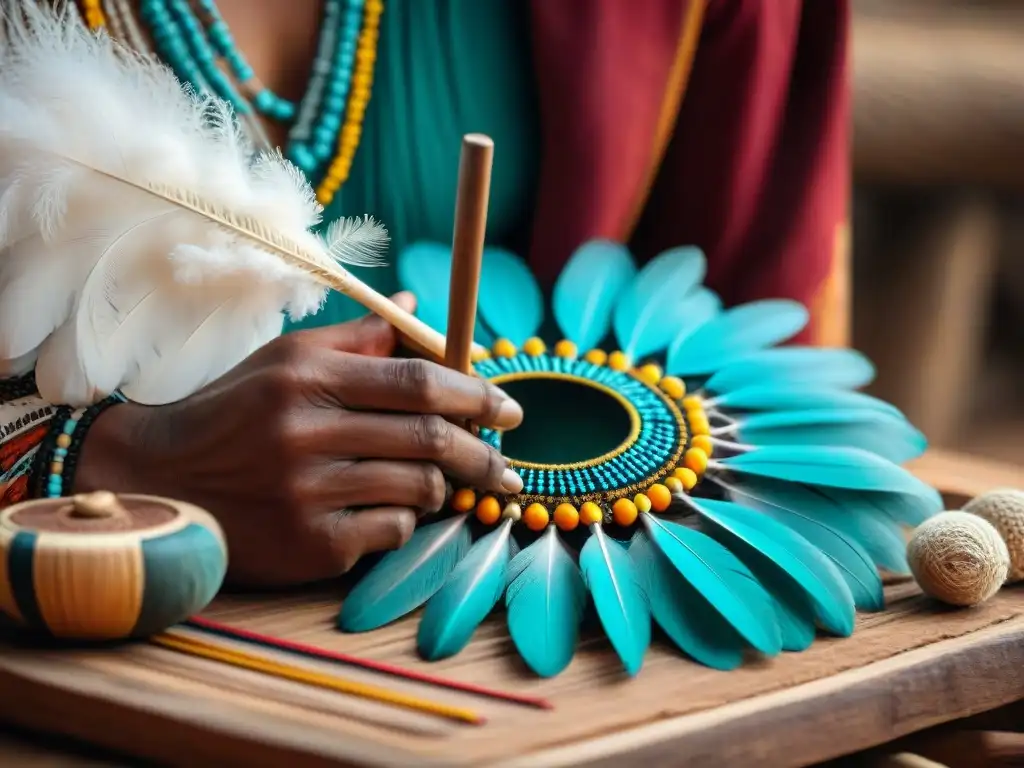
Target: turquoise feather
797,397
621,606
696,310
706,565
546,597
888,436
793,556
849,468
794,609
880,535
646,318
904,507
798,366
407,577
509,301
588,290
469,594
690,621
854,563
758,580
425,270
737,332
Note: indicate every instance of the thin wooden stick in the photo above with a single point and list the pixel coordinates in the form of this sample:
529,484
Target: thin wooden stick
297,674
467,248
290,646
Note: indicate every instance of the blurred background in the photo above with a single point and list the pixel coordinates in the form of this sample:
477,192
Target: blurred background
938,221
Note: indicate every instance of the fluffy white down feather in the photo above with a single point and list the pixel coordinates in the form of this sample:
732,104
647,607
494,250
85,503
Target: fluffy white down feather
106,286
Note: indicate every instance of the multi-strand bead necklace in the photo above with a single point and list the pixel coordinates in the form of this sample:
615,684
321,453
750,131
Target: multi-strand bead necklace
326,125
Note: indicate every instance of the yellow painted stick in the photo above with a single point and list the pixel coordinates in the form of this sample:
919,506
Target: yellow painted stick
298,674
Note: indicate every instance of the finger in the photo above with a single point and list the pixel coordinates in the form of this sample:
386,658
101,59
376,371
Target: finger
417,484
421,386
353,535
370,335
428,438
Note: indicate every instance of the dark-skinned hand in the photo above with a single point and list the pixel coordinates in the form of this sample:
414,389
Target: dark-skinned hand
316,450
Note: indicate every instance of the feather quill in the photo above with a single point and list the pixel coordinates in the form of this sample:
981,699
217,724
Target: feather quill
647,317
545,598
120,193
690,621
470,593
758,536
709,568
797,397
406,578
588,289
737,332
850,558
621,606
799,366
881,433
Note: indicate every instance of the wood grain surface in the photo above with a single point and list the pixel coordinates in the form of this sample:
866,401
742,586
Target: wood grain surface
906,669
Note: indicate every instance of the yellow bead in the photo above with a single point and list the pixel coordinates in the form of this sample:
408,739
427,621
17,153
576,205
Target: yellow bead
488,510
565,348
687,477
504,348
536,517
704,443
463,500
57,468
534,347
673,386
590,513
512,512
64,441
643,504
649,374
478,354
674,484
692,402
624,512
618,361
696,460
566,517
699,425
660,496
596,357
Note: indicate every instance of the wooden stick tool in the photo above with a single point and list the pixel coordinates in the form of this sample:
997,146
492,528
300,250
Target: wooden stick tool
468,248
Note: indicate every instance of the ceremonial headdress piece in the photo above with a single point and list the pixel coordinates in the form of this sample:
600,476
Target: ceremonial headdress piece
677,466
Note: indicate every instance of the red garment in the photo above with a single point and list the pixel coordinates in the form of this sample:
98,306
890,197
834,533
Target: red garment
756,168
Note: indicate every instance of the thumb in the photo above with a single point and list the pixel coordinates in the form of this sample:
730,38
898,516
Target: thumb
370,335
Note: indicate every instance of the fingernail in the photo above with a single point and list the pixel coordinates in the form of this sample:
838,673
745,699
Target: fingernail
511,482
509,415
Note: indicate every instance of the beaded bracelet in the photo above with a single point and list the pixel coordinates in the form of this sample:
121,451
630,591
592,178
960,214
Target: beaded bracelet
57,459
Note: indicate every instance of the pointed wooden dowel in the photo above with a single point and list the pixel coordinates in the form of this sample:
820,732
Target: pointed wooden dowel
467,248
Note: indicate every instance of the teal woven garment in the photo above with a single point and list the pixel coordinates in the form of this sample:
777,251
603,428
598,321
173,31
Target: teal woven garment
445,68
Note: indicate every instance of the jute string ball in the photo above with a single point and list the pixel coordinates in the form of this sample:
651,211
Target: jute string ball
1004,508
958,558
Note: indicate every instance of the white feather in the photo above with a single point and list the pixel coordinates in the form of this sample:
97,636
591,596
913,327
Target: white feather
140,246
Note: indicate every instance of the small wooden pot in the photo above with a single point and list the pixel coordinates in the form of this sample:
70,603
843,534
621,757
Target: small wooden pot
106,567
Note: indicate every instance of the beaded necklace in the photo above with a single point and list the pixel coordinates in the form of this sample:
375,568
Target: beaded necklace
192,38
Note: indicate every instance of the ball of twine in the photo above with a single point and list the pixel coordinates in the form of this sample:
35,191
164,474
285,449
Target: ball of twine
1004,509
958,558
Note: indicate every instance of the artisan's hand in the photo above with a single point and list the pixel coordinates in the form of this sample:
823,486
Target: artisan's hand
314,423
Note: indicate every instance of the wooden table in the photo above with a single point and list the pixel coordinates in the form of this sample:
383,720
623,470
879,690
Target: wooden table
912,667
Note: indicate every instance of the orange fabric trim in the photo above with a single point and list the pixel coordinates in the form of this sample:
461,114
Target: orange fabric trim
832,305
675,87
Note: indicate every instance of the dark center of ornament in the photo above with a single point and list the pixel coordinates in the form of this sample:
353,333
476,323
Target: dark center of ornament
566,421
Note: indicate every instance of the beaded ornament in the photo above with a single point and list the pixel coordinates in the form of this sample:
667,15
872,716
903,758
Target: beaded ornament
676,467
